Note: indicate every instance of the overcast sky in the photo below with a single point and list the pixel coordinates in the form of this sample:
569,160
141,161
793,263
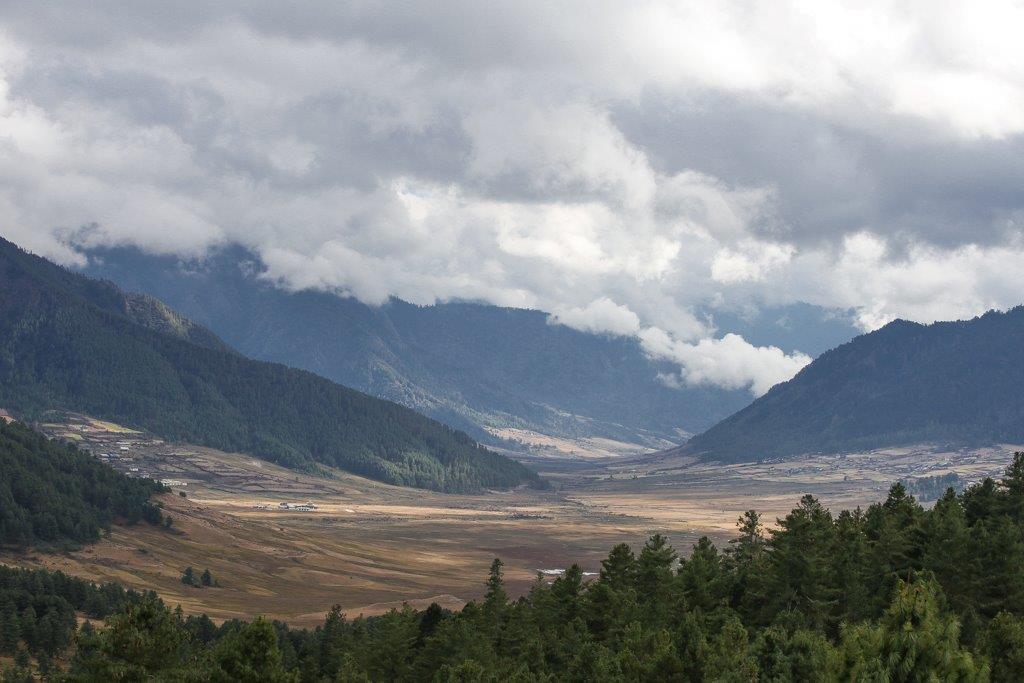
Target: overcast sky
620,165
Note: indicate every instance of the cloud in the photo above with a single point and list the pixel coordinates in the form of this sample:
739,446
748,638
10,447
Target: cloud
751,261
924,283
627,172
730,362
600,315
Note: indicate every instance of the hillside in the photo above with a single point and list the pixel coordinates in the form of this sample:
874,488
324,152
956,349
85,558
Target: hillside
953,382
67,342
55,494
470,365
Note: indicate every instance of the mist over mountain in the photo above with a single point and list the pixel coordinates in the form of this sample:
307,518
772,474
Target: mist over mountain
471,365
70,342
949,382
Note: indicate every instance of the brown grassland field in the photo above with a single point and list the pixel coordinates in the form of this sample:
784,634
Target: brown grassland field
370,547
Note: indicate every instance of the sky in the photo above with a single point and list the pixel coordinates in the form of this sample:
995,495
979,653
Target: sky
629,168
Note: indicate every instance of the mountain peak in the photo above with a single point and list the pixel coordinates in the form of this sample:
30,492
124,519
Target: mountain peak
956,382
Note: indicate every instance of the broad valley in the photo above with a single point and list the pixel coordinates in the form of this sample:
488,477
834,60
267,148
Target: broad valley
474,342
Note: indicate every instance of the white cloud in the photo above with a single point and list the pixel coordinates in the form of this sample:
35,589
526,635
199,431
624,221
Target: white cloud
729,362
599,316
925,284
601,170
751,261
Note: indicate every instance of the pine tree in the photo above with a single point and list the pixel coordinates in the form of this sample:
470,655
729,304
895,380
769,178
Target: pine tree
495,605
995,579
1004,644
608,612
566,592
702,577
745,558
429,621
912,642
10,629
27,623
390,654
207,578
349,671
945,546
692,646
981,501
495,599
895,540
654,578
250,655
188,577
1012,487
797,579
143,642
747,548
332,641
729,656
619,571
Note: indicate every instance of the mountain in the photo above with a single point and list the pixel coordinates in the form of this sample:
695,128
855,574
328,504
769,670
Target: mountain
154,314
473,366
142,309
71,342
952,382
54,493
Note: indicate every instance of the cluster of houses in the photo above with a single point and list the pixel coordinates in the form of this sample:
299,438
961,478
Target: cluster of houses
291,507
123,455
123,462
297,507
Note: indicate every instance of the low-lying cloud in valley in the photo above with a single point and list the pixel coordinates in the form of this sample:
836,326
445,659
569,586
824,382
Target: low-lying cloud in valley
624,167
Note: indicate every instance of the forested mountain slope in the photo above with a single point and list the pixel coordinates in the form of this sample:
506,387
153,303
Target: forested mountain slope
52,493
142,309
957,382
67,342
469,365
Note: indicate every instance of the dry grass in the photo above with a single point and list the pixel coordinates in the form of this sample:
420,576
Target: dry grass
546,446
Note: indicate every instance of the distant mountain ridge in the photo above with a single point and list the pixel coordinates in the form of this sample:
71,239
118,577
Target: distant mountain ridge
68,341
473,366
958,382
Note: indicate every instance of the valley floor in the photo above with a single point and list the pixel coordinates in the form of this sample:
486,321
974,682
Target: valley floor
369,547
